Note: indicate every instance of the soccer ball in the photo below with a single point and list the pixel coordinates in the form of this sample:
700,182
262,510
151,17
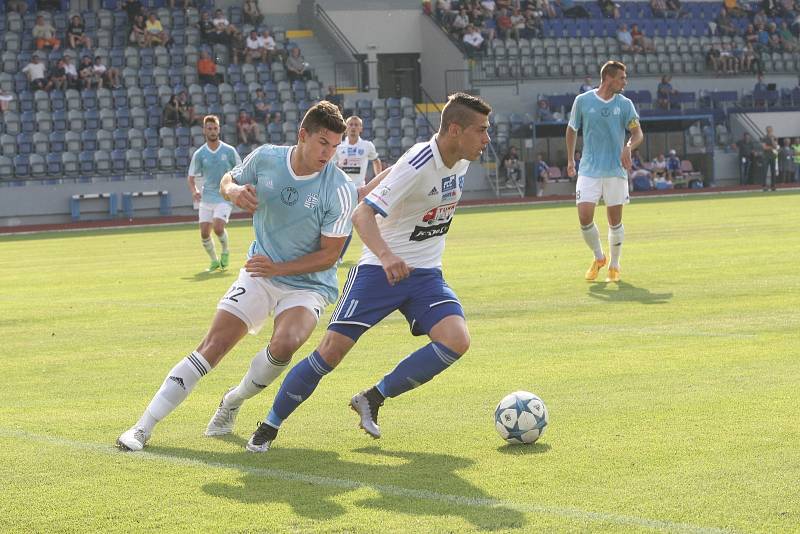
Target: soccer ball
521,417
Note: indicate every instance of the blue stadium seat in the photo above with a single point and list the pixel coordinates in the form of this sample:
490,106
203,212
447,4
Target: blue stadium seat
182,157
91,119
28,121
150,157
184,136
86,162
54,167
57,141
151,137
120,136
22,166
24,143
89,140
118,163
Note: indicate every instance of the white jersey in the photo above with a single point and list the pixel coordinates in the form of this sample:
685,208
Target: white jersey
417,201
353,159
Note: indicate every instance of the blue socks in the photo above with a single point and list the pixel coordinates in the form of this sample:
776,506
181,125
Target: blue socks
416,369
298,385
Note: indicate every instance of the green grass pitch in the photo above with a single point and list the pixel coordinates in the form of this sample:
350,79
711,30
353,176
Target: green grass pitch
673,396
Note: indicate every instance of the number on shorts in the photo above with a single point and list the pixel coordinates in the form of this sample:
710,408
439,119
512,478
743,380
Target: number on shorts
235,291
578,194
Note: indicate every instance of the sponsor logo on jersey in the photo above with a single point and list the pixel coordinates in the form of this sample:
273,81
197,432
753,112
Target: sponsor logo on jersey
616,110
439,214
421,233
605,112
289,196
385,191
311,201
433,192
592,110
448,183
461,182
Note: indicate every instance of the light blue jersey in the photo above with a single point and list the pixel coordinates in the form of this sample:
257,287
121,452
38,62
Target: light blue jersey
295,211
212,166
604,124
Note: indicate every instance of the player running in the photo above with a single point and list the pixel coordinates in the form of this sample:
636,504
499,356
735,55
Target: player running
212,161
403,224
604,115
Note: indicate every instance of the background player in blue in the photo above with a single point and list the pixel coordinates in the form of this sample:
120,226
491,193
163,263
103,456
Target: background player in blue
302,205
604,115
403,224
212,161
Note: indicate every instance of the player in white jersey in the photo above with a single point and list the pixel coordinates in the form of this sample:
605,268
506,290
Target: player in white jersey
212,161
604,115
302,206
403,223
352,157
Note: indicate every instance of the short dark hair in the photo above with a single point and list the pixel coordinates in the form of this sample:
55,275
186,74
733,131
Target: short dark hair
611,68
459,109
323,115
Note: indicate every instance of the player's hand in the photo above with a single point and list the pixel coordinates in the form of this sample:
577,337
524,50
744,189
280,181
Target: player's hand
196,196
571,169
395,268
244,196
625,158
261,267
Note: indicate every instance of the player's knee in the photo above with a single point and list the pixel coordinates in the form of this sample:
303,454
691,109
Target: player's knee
457,341
215,346
285,345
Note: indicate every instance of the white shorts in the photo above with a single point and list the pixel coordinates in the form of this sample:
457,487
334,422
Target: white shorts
218,210
253,299
613,190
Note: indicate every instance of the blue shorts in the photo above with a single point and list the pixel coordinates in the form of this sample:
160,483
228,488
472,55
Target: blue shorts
424,298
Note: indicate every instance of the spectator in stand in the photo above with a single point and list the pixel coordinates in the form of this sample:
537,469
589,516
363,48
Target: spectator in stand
156,35
659,8
276,118
543,112
713,59
547,9
625,39
587,85
760,19
504,25
226,32
132,8
534,27
725,24
473,42
17,6
254,48
770,8
729,61
488,28
572,10
795,26
674,173
444,12
796,149
296,66
747,153
788,40
170,116
489,6
261,107
57,78
750,35
460,23
769,143
45,35
638,170
786,168
207,70
248,129
186,115
252,13
512,168
76,33
333,97
186,4
577,162
5,98
517,23
105,76
208,32
664,92
35,71
760,85
86,72
641,40
138,33
674,9
734,9
73,80
270,47
609,9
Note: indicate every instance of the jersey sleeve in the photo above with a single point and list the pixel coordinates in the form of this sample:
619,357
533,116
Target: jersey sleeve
575,115
393,189
195,168
632,117
245,172
236,156
372,154
336,222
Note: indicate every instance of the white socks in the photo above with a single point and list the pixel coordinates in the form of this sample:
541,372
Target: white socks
208,244
591,235
179,383
264,369
616,235
223,240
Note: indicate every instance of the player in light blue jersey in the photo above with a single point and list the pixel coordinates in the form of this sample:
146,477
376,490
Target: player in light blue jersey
604,115
301,204
212,161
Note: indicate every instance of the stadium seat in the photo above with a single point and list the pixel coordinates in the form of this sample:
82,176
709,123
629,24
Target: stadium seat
41,143
56,141
136,140
182,157
44,121
134,160
118,162
166,159
102,162
54,168
86,162
22,167
24,143
72,141
6,168
150,157
89,140
38,167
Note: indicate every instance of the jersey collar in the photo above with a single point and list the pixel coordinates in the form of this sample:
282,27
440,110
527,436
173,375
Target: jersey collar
437,157
291,171
601,100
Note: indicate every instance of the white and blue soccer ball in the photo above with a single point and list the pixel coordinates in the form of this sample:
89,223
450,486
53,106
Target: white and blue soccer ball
521,417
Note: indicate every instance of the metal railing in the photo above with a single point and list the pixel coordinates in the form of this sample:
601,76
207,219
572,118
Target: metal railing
352,70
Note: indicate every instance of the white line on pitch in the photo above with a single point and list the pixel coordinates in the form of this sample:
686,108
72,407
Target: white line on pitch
386,489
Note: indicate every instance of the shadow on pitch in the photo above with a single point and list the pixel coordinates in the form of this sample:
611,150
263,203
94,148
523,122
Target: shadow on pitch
202,276
310,481
625,292
514,449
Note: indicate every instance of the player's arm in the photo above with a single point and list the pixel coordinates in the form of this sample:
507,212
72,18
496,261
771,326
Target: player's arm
636,139
242,196
320,260
377,166
367,188
572,139
367,227
193,188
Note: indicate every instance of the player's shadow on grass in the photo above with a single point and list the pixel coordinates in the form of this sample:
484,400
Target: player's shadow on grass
625,292
309,480
513,449
202,276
